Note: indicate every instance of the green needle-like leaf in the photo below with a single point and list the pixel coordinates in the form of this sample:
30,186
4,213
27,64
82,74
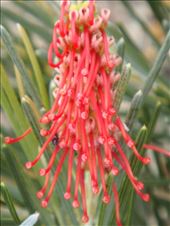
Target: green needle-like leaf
19,82
9,202
9,15
166,25
32,8
143,25
7,41
133,53
7,222
35,65
136,166
122,85
153,120
26,185
32,119
120,46
126,191
134,108
154,72
103,206
12,107
158,9
163,91
54,6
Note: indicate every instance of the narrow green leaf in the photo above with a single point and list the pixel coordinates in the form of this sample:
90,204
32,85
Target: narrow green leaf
159,10
35,111
134,108
9,202
151,127
7,222
48,11
154,72
136,165
13,190
31,113
156,182
35,65
138,19
42,31
26,185
32,8
166,25
12,107
133,54
19,82
122,85
103,206
126,191
120,51
51,88
54,6
31,220
141,139
7,41
71,216
163,91
41,54
153,120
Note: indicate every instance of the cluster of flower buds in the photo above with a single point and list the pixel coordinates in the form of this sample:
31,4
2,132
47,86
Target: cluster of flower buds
83,121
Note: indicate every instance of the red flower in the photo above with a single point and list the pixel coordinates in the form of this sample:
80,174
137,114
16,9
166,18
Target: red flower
82,118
